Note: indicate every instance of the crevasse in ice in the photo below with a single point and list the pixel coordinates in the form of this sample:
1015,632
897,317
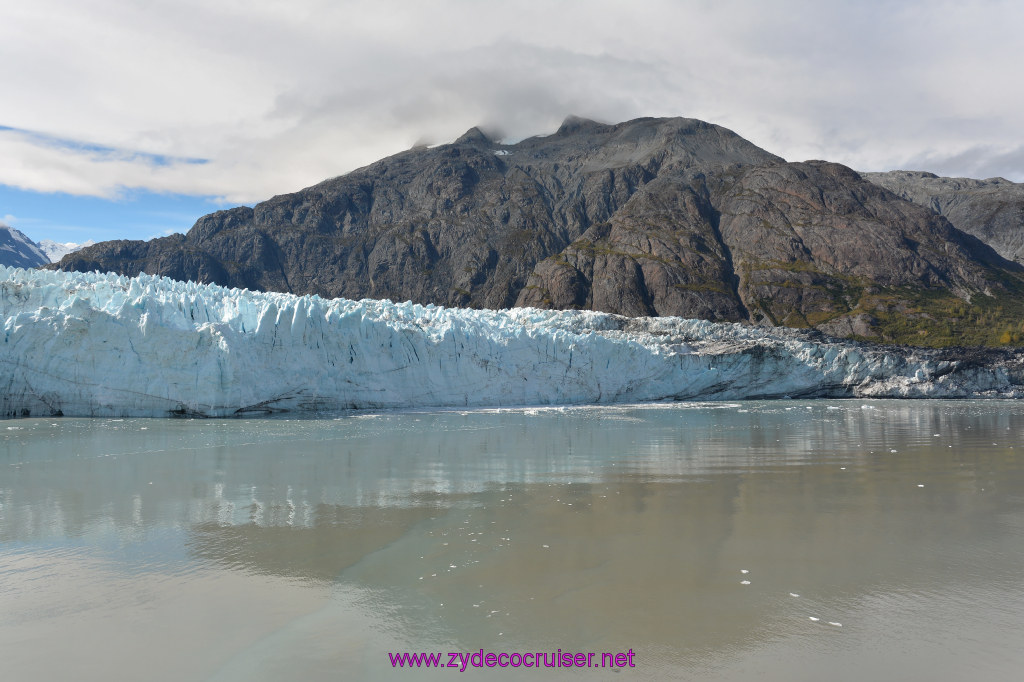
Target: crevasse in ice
89,344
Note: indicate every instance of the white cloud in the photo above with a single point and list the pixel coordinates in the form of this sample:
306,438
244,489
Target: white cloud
279,95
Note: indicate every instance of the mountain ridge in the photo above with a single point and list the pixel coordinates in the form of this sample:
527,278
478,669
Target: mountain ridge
18,250
991,210
646,217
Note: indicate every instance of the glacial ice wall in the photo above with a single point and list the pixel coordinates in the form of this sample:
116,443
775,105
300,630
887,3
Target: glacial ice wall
86,344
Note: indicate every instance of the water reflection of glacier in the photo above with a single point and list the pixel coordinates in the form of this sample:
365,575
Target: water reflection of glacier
330,542
84,477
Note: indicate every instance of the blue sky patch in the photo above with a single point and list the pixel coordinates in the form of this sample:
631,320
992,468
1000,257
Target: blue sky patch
137,214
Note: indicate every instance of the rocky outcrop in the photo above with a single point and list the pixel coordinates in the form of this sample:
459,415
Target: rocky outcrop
660,254
648,217
992,210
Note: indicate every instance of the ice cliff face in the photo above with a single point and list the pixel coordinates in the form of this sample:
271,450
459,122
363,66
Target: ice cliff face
85,344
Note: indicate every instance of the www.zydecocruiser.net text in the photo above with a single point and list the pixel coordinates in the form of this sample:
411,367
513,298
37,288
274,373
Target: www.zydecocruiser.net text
462,660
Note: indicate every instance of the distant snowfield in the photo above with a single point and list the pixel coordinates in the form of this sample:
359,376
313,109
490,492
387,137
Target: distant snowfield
86,344
56,250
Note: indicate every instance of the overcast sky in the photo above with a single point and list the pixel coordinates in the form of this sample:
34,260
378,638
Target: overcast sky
231,101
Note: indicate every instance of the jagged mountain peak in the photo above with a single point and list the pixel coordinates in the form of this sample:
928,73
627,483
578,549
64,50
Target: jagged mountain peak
474,136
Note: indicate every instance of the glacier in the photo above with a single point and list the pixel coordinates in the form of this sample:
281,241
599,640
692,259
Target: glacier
91,344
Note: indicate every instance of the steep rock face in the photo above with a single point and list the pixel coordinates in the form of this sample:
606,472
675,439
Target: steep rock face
992,210
810,239
659,255
794,244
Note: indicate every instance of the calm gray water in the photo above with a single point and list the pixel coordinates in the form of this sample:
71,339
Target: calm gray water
706,538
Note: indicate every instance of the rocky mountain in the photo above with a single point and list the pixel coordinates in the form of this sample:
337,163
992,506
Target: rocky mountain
648,217
992,210
17,250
